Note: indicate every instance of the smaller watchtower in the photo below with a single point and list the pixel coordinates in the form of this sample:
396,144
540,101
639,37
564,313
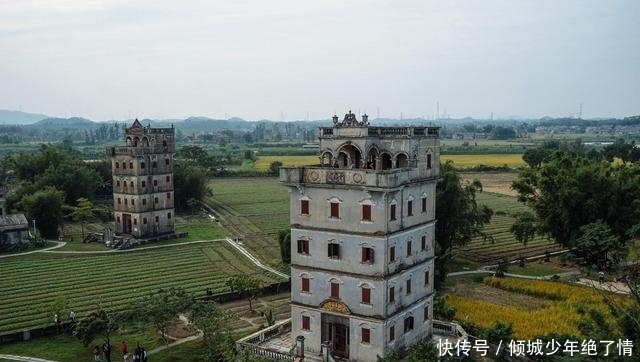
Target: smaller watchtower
143,195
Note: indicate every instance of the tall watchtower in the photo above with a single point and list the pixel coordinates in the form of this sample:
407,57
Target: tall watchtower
143,181
362,238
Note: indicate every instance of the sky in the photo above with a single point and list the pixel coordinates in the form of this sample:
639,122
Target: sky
299,59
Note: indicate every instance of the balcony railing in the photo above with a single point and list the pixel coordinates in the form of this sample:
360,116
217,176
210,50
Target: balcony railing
253,342
381,132
362,177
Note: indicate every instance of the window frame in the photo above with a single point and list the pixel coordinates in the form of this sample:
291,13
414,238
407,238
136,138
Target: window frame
334,290
366,212
333,251
367,254
365,295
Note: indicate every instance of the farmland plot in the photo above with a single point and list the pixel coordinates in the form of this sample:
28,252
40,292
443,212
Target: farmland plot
32,284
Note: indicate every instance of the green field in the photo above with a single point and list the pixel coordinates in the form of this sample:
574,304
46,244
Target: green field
32,284
254,209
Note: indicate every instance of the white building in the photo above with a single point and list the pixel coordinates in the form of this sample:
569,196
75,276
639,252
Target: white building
362,239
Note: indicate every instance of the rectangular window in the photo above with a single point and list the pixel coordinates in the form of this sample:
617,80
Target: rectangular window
366,335
155,182
131,183
166,161
333,251
303,247
366,212
367,255
429,160
144,201
168,179
426,313
392,294
392,212
426,278
144,220
392,333
168,215
304,207
119,201
133,202
155,199
408,324
144,183
118,183
366,296
306,323
335,210
124,165
117,165
131,165
423,242
409,208
424,204
408,286
408,248
126,201
118,219
135,221
157,219
168,195
305,285
392,254
154,164
142,165
335,290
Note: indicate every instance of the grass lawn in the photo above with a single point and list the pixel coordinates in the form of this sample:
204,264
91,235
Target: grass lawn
63,347
540,268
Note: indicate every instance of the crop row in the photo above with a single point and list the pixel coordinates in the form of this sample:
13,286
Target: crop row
114,279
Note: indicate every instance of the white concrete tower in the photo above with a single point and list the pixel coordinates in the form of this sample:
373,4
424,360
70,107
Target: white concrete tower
362,239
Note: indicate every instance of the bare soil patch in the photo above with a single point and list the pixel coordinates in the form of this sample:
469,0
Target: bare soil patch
496,296
496,182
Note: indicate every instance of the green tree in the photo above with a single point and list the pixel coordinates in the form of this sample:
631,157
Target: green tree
215,325
44,206
83,212
245,285
162,308
274,168
535,156
284,240
524,227
99,322
190,182
460,218
570,191
595,241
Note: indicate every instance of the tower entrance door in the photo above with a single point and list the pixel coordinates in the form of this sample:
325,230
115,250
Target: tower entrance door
126,223
335,329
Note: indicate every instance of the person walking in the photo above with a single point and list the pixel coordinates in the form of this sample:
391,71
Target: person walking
106,350
124,348
96,353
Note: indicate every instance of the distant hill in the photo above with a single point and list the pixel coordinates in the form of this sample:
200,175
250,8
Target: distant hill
17,117
62,123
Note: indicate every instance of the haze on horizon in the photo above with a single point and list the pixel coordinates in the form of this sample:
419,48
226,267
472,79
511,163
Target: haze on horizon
284,60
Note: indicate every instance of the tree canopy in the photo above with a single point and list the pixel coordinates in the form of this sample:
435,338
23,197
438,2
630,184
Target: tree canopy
460,218
570,191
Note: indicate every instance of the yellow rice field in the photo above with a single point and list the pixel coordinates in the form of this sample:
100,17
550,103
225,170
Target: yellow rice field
558,313
465,161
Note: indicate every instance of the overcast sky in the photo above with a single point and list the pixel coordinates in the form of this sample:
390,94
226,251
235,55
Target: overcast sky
116,59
